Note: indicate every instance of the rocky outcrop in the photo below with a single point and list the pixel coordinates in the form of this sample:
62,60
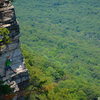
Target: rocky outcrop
8,20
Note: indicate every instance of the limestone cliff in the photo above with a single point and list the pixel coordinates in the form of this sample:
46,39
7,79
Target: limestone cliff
8,20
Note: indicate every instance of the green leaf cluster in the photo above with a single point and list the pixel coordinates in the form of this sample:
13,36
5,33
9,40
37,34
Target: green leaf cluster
4,89
4,36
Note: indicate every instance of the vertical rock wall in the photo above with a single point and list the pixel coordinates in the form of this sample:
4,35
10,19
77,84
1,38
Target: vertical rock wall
8,20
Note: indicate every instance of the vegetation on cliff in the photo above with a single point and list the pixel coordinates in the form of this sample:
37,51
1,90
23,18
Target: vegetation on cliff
4,36
4,89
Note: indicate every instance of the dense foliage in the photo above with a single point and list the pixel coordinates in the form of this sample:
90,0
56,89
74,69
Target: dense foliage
61,43
4,36
4,89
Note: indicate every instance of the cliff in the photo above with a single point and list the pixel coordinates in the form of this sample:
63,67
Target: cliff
8,20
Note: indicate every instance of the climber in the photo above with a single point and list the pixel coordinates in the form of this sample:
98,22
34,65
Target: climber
8,65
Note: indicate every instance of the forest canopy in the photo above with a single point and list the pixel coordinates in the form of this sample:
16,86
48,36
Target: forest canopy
61,44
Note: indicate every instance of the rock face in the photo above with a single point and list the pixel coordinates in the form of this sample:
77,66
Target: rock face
8,20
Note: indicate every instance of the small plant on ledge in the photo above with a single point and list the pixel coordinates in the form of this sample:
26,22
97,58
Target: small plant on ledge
4,37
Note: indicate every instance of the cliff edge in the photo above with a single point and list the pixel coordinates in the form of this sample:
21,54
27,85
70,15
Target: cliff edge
12,50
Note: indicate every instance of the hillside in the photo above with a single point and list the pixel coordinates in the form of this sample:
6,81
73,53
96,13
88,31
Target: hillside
61,43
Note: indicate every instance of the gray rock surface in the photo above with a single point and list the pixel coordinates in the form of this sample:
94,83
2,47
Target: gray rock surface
8,20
